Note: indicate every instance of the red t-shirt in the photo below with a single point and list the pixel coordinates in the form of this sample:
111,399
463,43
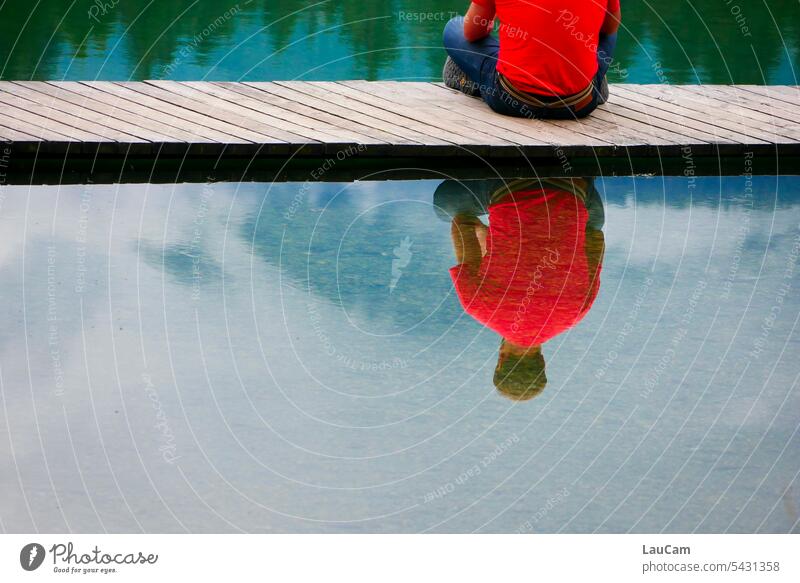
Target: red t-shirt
534,281
549,47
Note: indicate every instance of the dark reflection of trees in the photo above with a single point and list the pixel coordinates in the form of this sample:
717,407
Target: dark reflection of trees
180,21
372,32
684,34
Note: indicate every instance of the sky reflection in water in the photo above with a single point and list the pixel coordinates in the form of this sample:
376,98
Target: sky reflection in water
278,357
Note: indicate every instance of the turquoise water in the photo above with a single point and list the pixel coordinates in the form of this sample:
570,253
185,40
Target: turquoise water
675,41
290,357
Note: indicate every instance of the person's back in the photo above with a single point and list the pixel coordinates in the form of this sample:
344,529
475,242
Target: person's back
534,280
549,46
550,59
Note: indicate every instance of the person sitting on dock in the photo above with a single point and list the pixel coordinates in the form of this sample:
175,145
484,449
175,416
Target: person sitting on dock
533,273
550,60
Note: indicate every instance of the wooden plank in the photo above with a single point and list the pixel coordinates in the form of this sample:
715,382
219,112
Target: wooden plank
555,135
758,118
297,123
133,113
229,112
8,134
635,128
790,91
167,111
678,133
54,98
399,135
314,115
389,119
212,117
588,127
41,134
436,124
767,102
763,125
353,109
591,130
598,127
787,94
45,118
610,128
655,110
780,117
404,138
419,100
690,107
90,130
624,129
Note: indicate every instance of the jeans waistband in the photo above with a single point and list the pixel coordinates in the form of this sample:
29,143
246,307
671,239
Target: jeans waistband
577,100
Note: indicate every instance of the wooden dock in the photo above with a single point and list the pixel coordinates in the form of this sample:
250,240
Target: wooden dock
96,121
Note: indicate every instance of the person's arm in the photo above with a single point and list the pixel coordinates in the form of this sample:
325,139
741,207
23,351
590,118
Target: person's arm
479,20
613,18
466,244
607,40
466,274
595,250
595,247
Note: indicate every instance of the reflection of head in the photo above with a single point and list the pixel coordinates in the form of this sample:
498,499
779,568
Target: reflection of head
520,377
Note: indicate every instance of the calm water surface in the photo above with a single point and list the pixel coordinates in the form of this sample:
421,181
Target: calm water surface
290,357
672,41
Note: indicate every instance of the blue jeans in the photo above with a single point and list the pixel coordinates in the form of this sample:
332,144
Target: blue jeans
478,60
472,197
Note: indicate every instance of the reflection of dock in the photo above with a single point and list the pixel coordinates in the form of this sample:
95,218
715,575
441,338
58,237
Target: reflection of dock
95,124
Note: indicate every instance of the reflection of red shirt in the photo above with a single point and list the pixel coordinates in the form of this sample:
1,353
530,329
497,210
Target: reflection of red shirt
534,281
549,47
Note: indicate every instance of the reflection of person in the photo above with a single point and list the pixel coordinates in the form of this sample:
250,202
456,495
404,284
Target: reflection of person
533,273
549,60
